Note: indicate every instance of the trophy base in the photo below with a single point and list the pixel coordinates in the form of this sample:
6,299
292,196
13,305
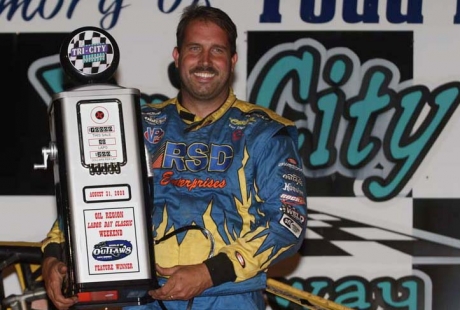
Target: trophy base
113,296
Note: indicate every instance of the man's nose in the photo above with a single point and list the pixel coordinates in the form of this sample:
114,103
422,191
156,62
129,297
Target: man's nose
205,58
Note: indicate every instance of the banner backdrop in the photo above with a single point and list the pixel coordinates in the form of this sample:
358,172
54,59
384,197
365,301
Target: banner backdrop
373,87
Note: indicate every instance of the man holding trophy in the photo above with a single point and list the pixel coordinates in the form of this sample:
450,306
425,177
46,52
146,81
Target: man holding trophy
229,197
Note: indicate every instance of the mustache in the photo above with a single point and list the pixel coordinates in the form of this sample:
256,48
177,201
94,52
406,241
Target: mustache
207,69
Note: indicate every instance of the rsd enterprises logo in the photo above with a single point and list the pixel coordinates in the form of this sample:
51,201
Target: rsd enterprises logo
112,250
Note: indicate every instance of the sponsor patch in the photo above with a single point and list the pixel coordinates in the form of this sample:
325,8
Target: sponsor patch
294,178
154,135
242,122
290,199
291,225
155,121
288,187
292,212
112,250
259,114
237,135
290,166
152,113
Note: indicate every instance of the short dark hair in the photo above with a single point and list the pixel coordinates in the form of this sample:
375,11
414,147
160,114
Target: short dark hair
207,14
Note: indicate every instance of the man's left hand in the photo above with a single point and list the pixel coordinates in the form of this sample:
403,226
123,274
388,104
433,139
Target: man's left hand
185,282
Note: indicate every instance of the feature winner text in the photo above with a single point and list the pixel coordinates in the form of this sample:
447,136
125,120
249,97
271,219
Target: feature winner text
113,267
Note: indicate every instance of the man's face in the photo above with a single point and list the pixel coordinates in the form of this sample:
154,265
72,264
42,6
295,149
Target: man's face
205,63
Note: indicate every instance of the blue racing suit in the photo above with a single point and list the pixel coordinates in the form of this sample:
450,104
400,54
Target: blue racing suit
235,173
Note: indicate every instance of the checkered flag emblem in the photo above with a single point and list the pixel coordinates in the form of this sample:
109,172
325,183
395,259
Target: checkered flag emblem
90,52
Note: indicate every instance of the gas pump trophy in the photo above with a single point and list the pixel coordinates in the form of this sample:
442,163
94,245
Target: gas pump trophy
102,188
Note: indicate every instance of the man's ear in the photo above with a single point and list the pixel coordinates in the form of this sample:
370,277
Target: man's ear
234,60
175,55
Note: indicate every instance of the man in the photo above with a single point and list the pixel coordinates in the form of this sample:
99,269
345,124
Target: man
227,167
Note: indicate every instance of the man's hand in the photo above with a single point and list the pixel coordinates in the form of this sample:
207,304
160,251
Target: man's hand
185,282
53,272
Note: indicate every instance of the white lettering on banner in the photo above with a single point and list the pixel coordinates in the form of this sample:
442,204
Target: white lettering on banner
97,48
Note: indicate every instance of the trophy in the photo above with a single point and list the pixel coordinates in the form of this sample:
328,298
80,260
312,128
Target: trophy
102,188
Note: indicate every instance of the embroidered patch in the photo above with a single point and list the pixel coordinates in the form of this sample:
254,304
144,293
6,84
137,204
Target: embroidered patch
154,135
290,165
155,121
289,187
294,178
291,225
237,135
293,213
292,200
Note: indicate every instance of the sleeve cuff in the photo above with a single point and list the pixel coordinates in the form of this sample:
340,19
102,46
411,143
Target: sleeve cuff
221,269
53,250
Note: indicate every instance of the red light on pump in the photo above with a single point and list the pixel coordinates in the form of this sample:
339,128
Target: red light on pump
97,296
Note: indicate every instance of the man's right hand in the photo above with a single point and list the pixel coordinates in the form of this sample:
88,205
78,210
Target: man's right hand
54,272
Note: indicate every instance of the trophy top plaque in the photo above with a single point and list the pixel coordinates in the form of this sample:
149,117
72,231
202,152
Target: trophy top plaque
89,55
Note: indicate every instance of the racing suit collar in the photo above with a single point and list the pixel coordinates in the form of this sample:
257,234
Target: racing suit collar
196,122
